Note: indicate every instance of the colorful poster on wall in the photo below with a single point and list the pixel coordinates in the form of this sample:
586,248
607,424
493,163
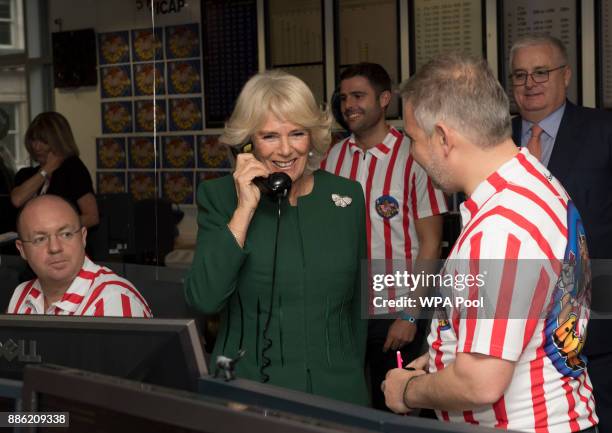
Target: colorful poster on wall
185,114
182,41
114,47
110,152
184,77
116,117
212,154
142,153
178,152
110,182
116,81
177,186
147,45
146,75
142,185
146,119
137,65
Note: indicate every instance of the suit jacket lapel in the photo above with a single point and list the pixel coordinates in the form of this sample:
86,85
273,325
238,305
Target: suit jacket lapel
517,126
566,143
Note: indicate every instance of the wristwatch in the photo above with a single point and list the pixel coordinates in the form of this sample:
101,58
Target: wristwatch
44,174
408,317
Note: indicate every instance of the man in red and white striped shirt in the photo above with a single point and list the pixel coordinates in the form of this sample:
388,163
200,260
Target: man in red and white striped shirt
403,213
518,366
52,241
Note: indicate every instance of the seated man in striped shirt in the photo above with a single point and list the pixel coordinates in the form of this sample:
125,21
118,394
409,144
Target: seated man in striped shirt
513,359
52,241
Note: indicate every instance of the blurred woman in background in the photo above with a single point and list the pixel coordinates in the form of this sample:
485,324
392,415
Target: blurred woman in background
51,145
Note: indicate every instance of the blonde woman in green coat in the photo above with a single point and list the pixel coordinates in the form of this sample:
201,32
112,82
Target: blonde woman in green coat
288,294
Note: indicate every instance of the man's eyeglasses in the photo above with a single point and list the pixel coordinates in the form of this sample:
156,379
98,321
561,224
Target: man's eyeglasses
63,236
519,78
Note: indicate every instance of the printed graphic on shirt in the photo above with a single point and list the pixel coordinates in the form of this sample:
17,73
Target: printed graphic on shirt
387,206
566,323
443,325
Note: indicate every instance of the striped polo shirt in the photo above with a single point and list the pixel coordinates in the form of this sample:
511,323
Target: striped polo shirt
397,192
95,291
521,220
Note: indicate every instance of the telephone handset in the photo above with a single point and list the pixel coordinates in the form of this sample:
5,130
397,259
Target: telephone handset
275,186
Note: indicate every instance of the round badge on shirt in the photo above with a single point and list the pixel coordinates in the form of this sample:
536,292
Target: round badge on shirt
443,325
387,206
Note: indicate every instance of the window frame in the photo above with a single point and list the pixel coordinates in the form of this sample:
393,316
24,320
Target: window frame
33,55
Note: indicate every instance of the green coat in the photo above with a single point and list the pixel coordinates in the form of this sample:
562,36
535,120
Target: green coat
317,334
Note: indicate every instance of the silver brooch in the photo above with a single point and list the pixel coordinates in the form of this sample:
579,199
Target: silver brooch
341,201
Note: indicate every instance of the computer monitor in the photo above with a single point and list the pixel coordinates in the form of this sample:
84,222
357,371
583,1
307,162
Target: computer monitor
114,236
10,395
165,352
101,403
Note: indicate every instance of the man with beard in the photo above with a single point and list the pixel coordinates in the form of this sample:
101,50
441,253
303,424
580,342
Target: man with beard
517,365
403,209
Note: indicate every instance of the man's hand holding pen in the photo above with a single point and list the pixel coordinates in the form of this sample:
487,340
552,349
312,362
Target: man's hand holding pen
396,385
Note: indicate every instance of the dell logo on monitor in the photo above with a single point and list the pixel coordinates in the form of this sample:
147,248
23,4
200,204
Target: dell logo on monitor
11,350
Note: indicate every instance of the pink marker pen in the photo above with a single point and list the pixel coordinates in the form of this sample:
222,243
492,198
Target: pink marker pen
400,361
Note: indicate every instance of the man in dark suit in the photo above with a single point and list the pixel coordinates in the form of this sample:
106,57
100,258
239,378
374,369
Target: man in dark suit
575,143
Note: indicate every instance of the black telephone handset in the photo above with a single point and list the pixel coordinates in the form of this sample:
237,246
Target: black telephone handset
275,186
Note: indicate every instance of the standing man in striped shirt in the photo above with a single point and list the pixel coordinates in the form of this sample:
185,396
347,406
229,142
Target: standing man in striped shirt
403,209
52,241
517,366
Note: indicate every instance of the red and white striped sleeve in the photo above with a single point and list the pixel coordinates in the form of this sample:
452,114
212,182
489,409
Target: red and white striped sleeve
427,200
23,292
116,298
18,296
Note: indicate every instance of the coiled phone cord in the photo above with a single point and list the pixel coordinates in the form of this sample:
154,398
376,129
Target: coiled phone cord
267,341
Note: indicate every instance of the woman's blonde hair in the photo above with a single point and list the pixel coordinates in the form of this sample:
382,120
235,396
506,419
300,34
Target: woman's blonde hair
53,129
289,99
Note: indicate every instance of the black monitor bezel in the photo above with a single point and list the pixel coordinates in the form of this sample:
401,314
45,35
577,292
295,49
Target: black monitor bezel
170,406
185,328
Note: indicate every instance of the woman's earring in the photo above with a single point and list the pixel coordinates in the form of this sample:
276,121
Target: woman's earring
310,154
